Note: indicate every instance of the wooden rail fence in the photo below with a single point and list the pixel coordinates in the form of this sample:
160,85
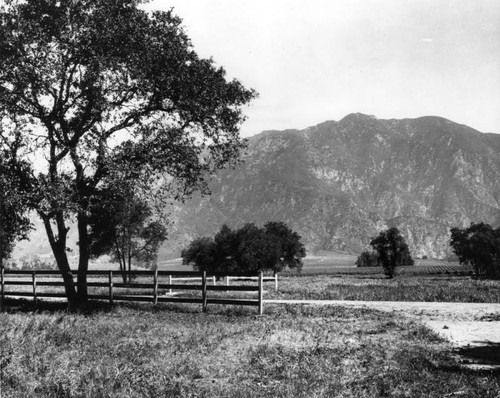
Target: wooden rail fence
106,280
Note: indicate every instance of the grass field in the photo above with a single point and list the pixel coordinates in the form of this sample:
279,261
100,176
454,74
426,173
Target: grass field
443,287
328,263
168,351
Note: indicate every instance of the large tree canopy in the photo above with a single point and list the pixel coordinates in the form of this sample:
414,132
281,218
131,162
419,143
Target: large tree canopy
103,90
248,249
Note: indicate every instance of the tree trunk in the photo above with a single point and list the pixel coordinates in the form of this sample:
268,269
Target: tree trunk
83,262
59,249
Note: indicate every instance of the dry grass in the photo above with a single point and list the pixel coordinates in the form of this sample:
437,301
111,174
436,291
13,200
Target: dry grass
292,351
402,288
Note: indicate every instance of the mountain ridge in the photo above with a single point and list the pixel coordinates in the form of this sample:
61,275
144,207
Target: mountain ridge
340,182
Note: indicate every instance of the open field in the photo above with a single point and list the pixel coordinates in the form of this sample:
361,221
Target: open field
443,288
326,263
133,350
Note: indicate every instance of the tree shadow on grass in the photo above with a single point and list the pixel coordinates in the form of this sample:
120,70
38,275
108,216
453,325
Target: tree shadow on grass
93,307
13,305
484,354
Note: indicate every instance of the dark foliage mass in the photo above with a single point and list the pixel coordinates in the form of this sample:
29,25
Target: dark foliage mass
367,259
248,249
104,91
478,246
14,219
392,250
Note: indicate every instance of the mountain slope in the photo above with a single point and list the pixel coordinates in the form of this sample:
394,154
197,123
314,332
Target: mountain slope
339,183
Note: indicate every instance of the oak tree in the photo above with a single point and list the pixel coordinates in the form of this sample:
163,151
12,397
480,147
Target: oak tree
247,249
102,89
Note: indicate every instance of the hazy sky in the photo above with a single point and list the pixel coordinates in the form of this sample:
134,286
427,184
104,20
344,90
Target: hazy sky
317,60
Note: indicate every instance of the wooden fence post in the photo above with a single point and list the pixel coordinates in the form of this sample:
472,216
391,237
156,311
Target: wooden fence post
2,284
170,282
34,285
213,280
276,281
261,284
110,277
155,291
204,291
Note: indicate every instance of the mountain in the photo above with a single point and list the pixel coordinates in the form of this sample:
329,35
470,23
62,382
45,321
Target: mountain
339,183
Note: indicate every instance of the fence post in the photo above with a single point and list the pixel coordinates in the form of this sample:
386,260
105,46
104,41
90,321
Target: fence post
155,292
2,284
34,285
261,284
204,291
213,280
110,277
276,281
170,282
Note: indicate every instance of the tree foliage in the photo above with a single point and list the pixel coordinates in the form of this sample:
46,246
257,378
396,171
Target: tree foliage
102,90
248,249
123,225
392,250
367,259
14,217
478,246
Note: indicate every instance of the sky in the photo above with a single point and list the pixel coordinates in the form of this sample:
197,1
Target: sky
317,60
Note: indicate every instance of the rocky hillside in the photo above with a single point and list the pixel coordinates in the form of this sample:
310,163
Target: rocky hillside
339,183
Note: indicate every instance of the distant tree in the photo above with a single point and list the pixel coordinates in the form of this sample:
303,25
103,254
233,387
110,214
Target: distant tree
257,251
248,249
391,249
478,246
292,250
201,254
98,83
35,263
123,225
367,259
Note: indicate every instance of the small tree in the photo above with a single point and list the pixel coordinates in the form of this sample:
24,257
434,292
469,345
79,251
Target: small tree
391,249
123,226
367,259
478,246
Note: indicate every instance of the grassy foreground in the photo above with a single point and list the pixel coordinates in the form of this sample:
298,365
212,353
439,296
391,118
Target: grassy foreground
292,351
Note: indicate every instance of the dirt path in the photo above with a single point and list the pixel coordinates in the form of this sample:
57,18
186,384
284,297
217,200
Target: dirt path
472,328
